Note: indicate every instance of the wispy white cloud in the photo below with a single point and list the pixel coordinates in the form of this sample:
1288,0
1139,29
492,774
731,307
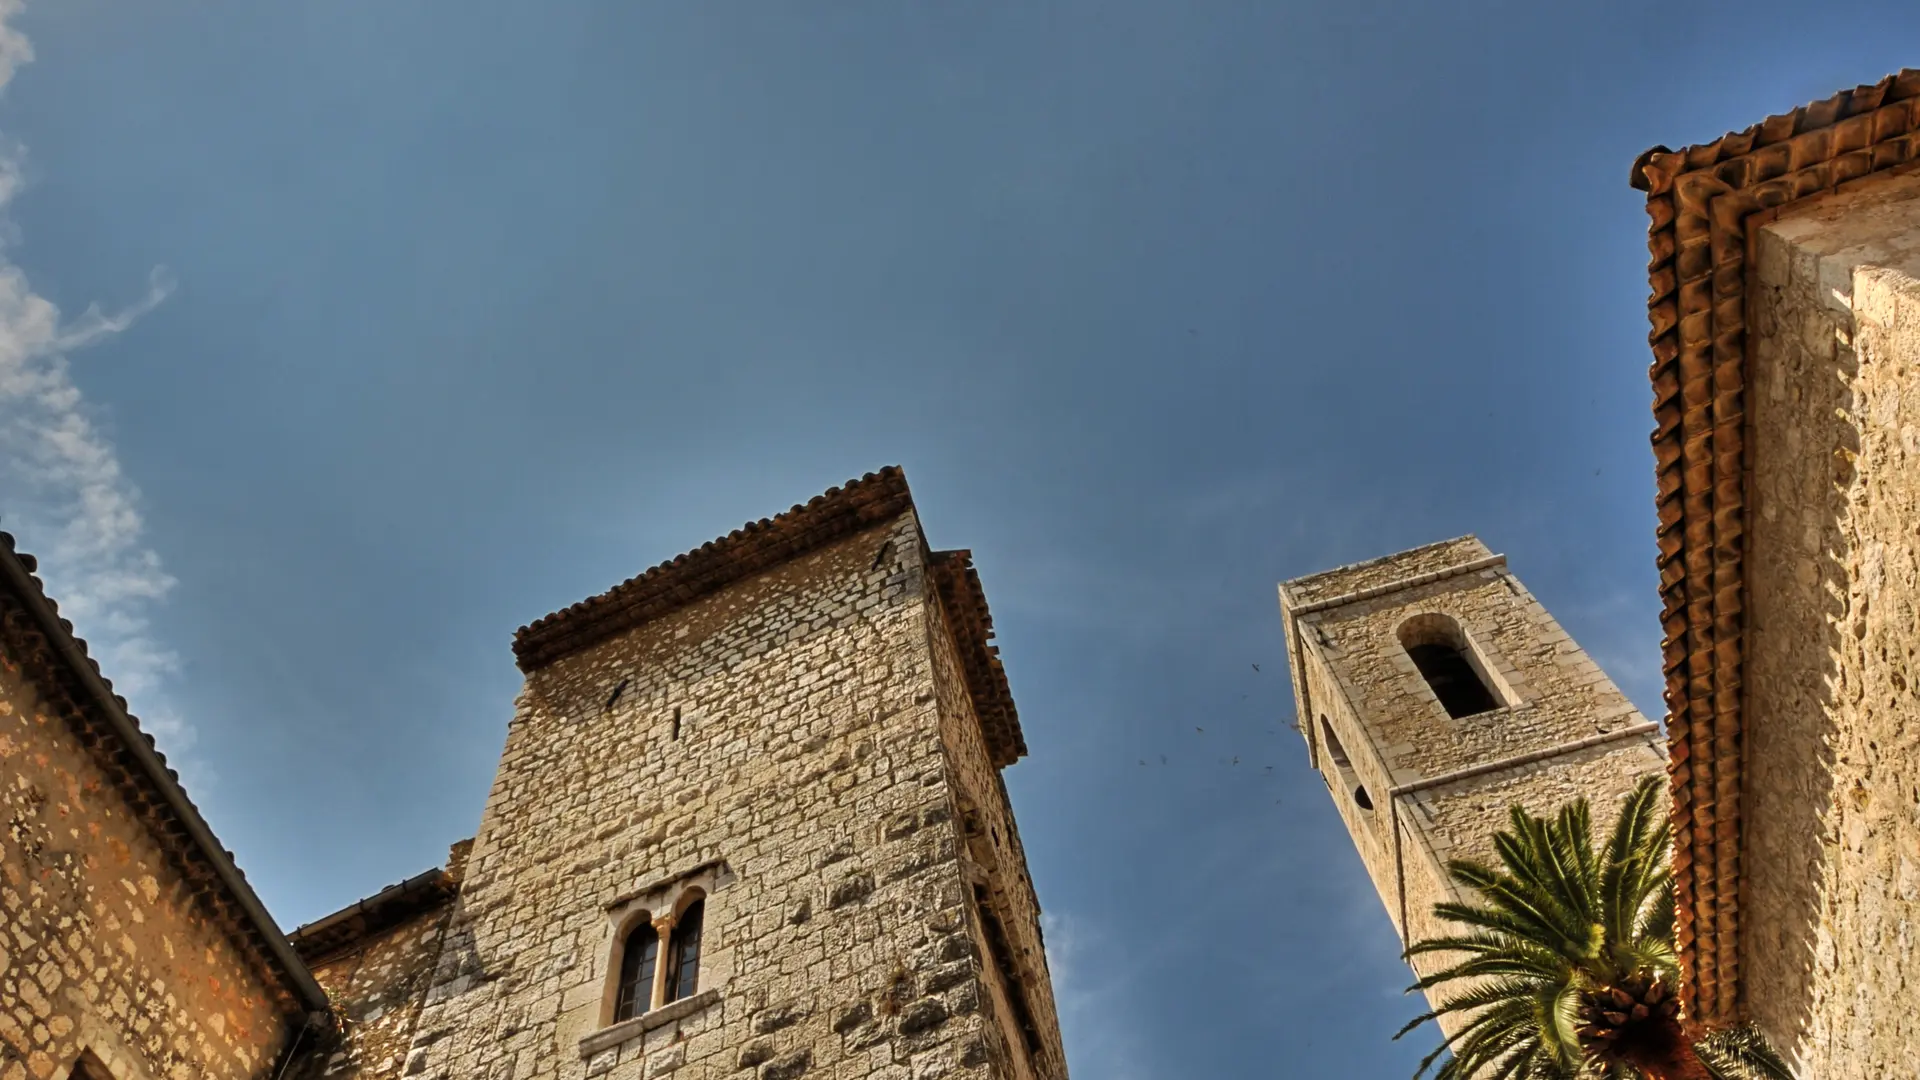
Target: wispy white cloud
62,489
1101,1040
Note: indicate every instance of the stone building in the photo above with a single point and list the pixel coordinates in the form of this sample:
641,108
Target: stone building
1434,693
1785,311
130,946
749,822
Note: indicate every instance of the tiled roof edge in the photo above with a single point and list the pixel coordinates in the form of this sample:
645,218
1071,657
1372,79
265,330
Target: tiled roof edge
761,545
965,601
366,918
1700,200
194,841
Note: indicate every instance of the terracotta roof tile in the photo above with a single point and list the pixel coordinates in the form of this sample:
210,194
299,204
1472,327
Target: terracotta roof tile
748,550
966,605
1700,201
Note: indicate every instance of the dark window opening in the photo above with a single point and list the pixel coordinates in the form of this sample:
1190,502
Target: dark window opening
1334,749
635,993
676,721
615,696
683,952
1338,755
1452,678
1001,954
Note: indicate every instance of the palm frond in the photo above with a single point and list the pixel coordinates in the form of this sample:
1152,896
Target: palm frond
1556,926
1741,1053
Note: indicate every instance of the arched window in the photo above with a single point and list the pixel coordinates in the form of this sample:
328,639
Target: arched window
683,952
1439,650
637,959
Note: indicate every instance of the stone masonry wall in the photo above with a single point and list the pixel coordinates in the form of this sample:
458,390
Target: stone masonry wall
790,726
377,988
1831,852
103,950
1352,674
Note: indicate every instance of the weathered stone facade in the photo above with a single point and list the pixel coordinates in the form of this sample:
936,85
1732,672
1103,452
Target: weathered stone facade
1831,883
1415,785
120,953
800,727
815,736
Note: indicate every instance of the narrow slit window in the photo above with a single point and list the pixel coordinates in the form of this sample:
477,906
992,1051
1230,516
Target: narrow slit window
683,965
1334,750
676,721
1438,649
1344,766
637,960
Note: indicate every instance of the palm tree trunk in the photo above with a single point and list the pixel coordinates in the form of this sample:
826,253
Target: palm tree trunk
1669,1056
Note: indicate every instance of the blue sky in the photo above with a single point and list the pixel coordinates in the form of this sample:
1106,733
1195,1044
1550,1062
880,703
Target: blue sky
338,340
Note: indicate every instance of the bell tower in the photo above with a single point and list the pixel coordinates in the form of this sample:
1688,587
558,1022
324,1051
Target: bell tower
1435,692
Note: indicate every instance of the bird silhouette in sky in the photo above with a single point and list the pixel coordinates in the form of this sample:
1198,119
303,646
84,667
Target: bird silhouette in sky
1201,730
1256,667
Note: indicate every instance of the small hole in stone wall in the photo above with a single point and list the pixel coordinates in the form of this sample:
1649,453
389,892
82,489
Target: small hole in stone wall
1361,798
880,557
676,721
617,691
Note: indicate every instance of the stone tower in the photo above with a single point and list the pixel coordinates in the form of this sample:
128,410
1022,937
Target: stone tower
749,822
1435,692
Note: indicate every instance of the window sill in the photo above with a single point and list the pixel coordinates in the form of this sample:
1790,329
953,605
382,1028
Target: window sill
609,1037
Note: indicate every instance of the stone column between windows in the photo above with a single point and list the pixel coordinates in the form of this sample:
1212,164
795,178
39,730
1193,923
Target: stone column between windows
663,927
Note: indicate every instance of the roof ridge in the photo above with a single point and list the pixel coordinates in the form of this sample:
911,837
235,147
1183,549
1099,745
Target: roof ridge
756,546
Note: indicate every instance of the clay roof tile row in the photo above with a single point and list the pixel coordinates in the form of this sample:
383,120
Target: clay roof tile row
754,547
1701,201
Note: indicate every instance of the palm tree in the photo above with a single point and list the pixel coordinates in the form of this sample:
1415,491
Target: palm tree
1569,970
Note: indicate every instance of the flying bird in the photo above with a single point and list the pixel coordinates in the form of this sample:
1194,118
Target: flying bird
1256,667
